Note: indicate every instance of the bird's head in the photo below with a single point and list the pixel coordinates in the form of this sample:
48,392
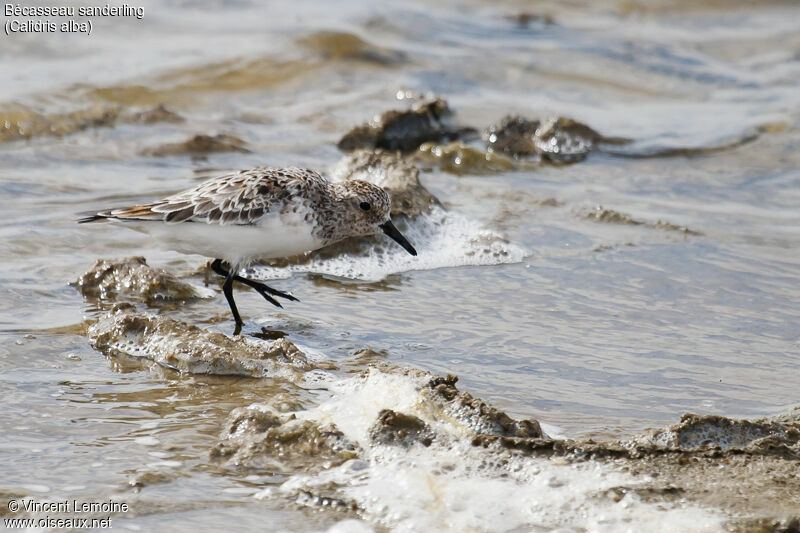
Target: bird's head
365,208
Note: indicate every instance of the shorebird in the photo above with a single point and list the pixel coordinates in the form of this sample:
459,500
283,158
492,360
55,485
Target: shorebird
260,213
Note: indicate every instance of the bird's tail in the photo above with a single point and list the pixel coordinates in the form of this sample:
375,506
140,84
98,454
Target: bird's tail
91,217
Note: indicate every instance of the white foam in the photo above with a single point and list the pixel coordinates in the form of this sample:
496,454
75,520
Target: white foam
454,486
441,238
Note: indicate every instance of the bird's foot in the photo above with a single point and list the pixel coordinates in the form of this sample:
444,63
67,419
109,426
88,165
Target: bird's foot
266,291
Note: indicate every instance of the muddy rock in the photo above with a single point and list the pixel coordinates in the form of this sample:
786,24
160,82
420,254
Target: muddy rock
133,278
146,478
760,437
791,417
405,130
257,437
152,116
477,414
21,122
609,216
187,348
398,176
460,158
199,145
746,468
393,428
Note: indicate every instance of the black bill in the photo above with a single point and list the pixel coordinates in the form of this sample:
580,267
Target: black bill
389,229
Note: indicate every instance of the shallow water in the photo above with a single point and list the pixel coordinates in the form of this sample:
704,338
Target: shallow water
595,329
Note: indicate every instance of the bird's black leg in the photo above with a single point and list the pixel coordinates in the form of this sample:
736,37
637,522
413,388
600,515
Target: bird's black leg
227,290
216,266
263,289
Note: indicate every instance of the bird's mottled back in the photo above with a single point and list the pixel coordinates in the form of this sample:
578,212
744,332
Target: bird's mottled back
244,197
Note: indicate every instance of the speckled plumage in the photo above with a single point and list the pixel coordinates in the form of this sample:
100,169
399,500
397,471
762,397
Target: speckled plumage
263,212
251,197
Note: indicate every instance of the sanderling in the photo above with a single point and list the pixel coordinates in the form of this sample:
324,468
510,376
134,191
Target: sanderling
260,213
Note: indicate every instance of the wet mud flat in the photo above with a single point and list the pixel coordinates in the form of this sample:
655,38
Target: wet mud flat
370,416
745,469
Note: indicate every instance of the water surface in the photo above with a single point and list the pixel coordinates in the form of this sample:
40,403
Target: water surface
599,330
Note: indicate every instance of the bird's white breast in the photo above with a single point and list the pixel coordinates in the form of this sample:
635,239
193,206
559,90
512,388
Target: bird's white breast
274,236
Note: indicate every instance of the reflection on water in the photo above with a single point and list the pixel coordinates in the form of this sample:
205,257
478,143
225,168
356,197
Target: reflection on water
593,328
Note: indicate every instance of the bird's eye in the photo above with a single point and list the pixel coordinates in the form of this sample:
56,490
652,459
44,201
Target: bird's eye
365,206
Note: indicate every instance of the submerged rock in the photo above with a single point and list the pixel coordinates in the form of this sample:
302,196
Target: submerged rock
187,348
343,45
558,139
609,216
152,116
199,144
257,437
398,176
133,278
21,122
527,19
460,158
405,130
400,429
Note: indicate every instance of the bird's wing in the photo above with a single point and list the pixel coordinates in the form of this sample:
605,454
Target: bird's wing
244,197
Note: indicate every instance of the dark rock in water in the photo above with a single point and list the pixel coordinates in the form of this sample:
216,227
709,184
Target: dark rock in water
256,437
558,140
398,176
199,144
398,428
477,414
133,278
513,135
405,130
187,348
563,140
527,19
